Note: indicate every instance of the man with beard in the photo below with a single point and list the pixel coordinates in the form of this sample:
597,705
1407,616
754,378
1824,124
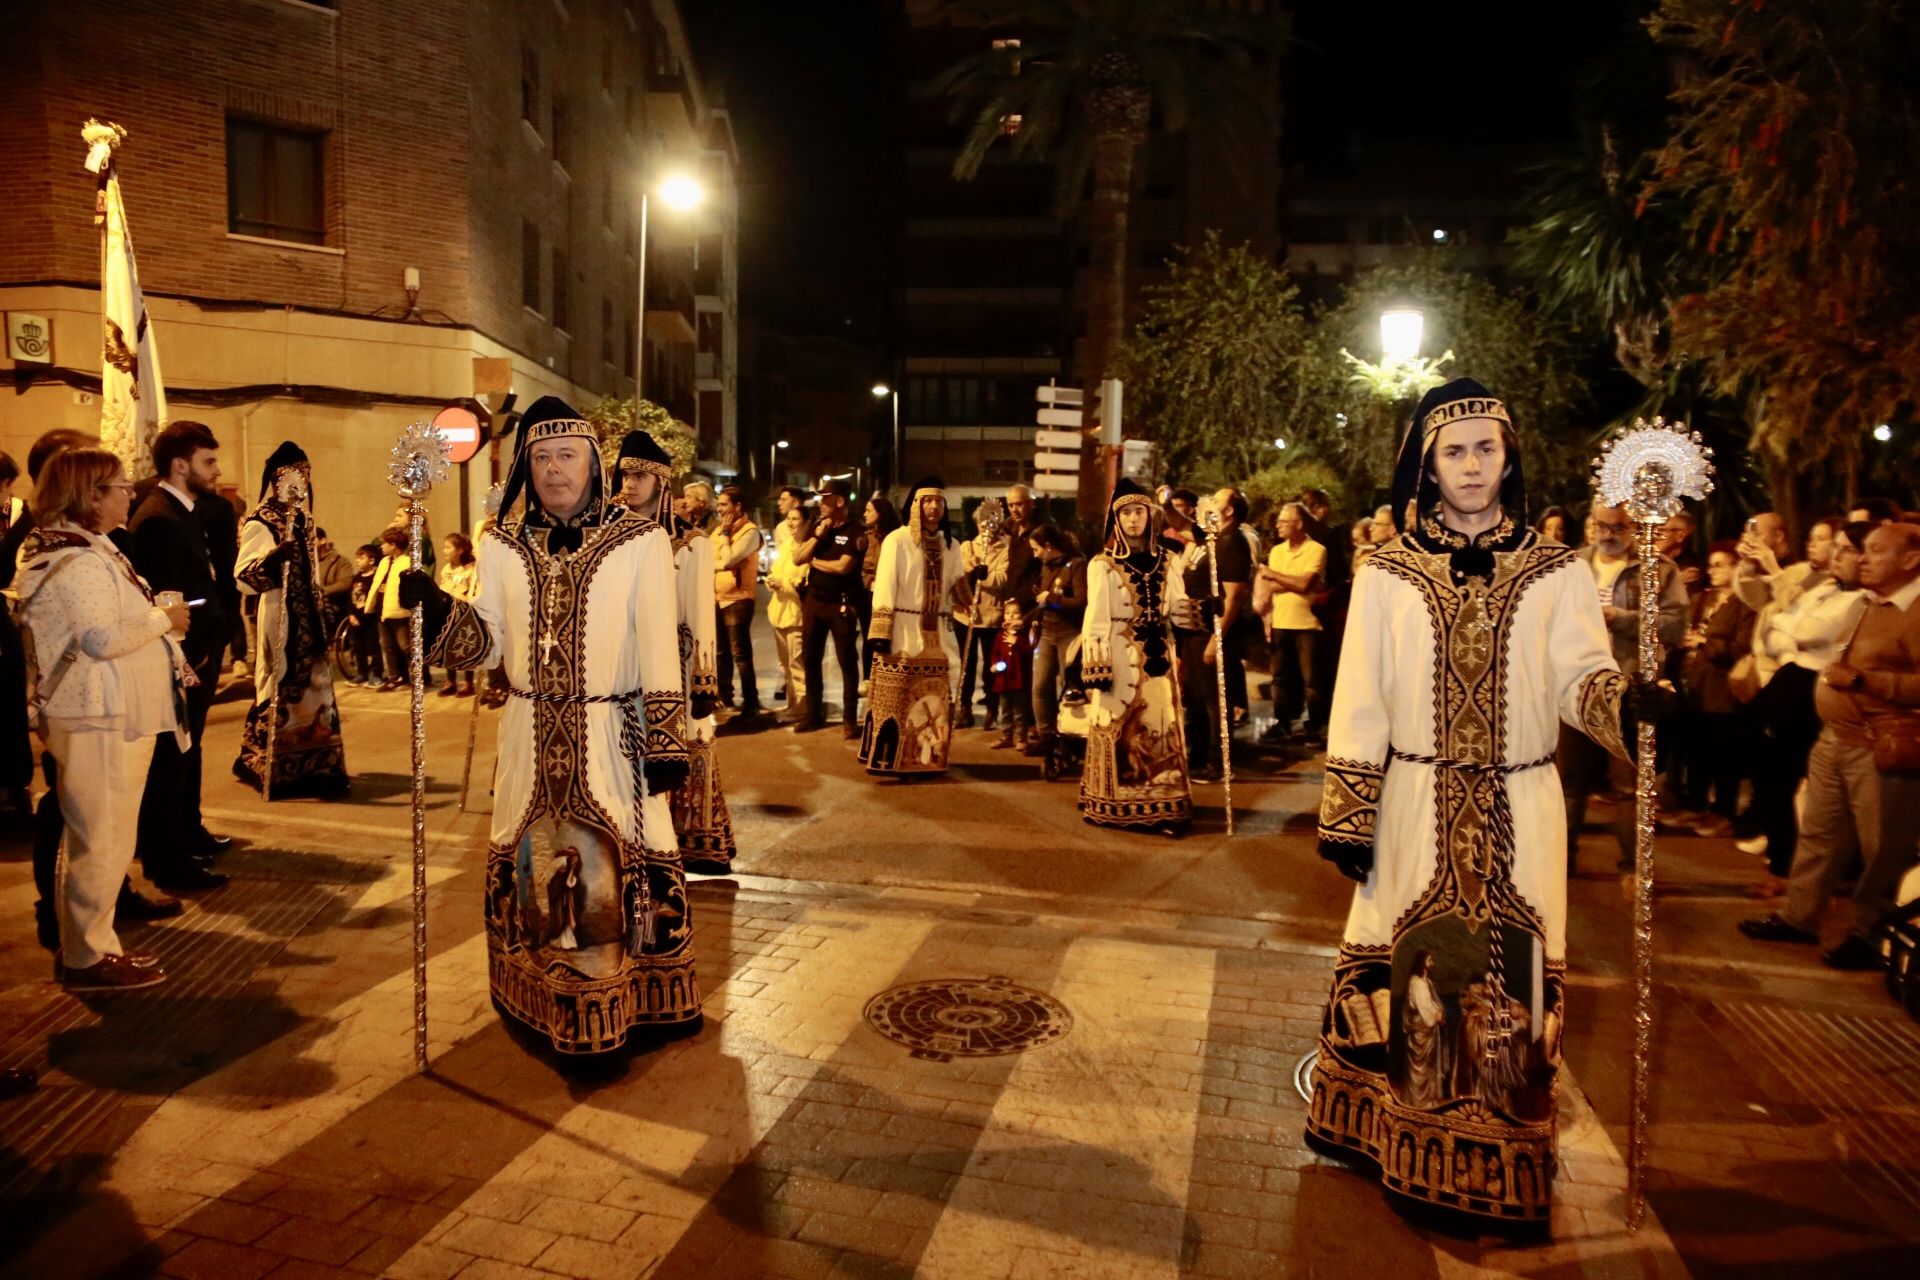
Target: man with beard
1468,642
168,545
577,598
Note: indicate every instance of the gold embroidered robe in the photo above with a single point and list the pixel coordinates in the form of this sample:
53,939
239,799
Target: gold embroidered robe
589,934
1469,867
700,817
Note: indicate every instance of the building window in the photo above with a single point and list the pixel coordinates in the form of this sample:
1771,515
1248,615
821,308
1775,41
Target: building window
529,85
606,330
276,182
562,152
561,318
530,265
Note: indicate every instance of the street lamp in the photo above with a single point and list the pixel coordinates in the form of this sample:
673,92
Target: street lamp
681,193
1883,432
773,464
1400,331
881,391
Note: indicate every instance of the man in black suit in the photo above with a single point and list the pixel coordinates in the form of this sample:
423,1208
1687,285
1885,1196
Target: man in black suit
168,545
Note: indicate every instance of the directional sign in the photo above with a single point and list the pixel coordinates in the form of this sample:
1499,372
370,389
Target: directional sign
1049,482
1058,417
1057,461
461,430
1068,440
1060,395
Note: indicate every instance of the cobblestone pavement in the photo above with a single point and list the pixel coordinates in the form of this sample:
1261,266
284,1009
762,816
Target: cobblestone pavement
260,1114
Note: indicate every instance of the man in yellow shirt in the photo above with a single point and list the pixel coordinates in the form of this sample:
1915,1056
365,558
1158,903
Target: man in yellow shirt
1296,567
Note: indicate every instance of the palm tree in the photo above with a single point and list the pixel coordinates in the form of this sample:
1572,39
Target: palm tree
1080,81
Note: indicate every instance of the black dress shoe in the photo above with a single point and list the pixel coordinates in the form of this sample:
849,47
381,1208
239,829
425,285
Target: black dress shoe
137,908
191,878
1855,954
211,844
1773,929
15,1081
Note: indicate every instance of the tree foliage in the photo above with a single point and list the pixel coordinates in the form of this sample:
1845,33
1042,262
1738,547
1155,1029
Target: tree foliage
1524,357
613,417
1213,369
1794,130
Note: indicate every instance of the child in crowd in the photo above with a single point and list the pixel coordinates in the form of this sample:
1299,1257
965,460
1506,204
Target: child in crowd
366,635
459,578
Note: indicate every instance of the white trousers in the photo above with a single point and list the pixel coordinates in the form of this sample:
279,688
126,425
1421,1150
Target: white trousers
793,671
102,776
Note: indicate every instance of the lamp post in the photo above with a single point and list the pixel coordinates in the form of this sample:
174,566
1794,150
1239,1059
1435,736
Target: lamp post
681,193
1401,329
881,391
773,466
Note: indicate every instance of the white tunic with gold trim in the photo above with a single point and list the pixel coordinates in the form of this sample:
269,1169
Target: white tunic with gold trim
1136,767
588,930
1445,717
700,816
910,700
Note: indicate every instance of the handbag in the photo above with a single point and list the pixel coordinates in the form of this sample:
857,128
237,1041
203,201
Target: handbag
1743,681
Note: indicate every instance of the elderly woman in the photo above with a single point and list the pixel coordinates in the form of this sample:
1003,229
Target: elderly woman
104,662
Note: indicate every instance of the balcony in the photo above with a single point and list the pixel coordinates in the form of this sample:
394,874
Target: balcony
670,311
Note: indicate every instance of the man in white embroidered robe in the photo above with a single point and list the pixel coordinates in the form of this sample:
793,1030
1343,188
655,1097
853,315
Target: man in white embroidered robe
588,931
1468,641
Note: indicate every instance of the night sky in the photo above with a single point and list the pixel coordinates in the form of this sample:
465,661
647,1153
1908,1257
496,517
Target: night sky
809,88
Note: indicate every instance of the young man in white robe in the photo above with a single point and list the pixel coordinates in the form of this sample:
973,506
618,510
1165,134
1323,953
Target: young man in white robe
700,817
1468,642
589,936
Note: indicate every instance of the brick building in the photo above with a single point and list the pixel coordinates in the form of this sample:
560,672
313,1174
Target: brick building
338,207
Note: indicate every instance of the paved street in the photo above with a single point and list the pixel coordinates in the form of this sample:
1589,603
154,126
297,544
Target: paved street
260,1115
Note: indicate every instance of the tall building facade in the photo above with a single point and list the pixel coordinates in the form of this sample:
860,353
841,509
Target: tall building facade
991,276
339,207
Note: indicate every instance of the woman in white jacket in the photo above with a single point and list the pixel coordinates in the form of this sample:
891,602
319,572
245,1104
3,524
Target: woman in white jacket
103,666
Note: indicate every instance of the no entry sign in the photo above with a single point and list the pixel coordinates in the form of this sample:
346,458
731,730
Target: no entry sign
461,430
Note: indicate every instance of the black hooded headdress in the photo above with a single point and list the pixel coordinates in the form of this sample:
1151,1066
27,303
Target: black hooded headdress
642,453
1127,493
1461,400
550,418
288,457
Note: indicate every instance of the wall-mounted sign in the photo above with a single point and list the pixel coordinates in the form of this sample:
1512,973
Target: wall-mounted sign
461,430
29,338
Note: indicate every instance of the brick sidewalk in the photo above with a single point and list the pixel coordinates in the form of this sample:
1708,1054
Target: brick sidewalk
1159,1136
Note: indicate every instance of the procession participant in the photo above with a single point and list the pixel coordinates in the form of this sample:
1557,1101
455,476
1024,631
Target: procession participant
589,936
700,817
1136,768
292,678
909,704
1469,638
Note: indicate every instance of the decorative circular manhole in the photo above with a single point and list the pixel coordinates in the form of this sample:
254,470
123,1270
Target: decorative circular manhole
967,1018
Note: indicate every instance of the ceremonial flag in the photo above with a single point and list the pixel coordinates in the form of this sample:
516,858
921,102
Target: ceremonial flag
133,402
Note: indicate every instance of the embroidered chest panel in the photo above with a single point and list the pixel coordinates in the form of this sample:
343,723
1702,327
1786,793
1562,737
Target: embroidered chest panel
559,585
1472,624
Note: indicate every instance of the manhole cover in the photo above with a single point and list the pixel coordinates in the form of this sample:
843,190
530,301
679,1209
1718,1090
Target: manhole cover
967,1018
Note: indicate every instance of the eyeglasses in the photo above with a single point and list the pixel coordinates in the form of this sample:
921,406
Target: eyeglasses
117,484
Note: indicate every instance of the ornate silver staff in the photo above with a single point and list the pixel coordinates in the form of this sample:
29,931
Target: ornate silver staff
1210,520
1647,469
419,463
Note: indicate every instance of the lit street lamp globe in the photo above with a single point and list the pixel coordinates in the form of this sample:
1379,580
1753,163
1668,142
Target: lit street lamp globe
881,391
682,193
1400,332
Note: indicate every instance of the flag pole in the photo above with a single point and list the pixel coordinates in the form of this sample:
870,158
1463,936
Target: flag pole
1210,519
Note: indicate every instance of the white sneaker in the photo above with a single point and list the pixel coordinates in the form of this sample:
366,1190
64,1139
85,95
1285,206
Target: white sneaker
1752,844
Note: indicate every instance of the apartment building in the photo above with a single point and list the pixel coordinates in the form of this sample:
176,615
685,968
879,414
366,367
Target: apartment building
338,208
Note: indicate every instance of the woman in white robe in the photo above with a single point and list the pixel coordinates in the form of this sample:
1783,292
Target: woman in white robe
909,721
